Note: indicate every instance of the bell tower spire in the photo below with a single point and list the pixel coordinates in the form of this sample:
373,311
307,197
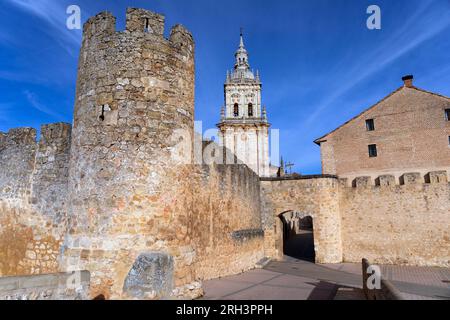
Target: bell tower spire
244,127
241,56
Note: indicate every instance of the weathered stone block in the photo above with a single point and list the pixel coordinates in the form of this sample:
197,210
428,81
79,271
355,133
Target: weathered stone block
182,38
362,182
436,177
343,182
243,235
150,277
61,286
103,23
411,178
140,20
385,181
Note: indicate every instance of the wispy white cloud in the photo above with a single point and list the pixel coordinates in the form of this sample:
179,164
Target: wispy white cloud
53,13
35,103
412,34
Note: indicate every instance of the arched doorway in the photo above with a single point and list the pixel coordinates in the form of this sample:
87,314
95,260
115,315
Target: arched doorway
298,235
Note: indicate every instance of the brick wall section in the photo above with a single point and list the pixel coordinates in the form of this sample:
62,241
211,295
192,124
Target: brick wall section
411,134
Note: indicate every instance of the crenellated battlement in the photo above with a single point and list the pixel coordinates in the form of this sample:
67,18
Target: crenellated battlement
182,38
436,177
55,132
22,159
26,136
18,136
102,24
407,179
121,182
144,21
140,23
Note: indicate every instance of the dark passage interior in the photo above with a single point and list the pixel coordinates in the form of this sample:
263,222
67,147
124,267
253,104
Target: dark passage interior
298,236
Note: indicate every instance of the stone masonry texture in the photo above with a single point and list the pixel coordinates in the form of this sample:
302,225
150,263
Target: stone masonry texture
402,223
118,196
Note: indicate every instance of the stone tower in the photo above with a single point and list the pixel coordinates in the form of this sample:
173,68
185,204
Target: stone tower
135,90
243,127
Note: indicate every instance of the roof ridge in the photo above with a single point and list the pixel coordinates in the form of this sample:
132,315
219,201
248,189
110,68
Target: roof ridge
317,141
430,92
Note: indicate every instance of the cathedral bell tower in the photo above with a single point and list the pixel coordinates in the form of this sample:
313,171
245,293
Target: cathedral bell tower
243,127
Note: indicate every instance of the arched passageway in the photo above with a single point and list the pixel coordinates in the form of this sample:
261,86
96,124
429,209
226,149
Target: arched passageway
298,236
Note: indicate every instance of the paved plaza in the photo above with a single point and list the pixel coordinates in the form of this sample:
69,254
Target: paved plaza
294,279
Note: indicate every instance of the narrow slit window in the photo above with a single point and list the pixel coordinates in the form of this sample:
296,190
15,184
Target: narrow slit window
236,110
102,116
449,141
373,153
250,110
447,114
370,125
147,25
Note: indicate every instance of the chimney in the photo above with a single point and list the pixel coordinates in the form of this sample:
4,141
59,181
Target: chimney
408,81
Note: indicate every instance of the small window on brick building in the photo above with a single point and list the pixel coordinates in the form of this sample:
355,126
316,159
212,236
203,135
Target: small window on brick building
370,125
373,151
236,110
250,110
449,141
447,114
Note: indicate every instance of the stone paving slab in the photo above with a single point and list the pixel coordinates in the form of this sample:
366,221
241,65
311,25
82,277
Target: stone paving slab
253,276
267,285
439,277
294,279
431,276
346,293
261,292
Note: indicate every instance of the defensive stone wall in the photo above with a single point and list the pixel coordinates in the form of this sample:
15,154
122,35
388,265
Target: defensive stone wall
314,196
135,91
133,187
387,220
33,192
51,171
397,221
17,157
227,229
120,195
121,184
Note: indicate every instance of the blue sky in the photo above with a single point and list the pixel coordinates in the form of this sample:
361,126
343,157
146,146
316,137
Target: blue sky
319,63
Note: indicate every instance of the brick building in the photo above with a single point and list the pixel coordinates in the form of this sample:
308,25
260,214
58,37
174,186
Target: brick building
408,131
